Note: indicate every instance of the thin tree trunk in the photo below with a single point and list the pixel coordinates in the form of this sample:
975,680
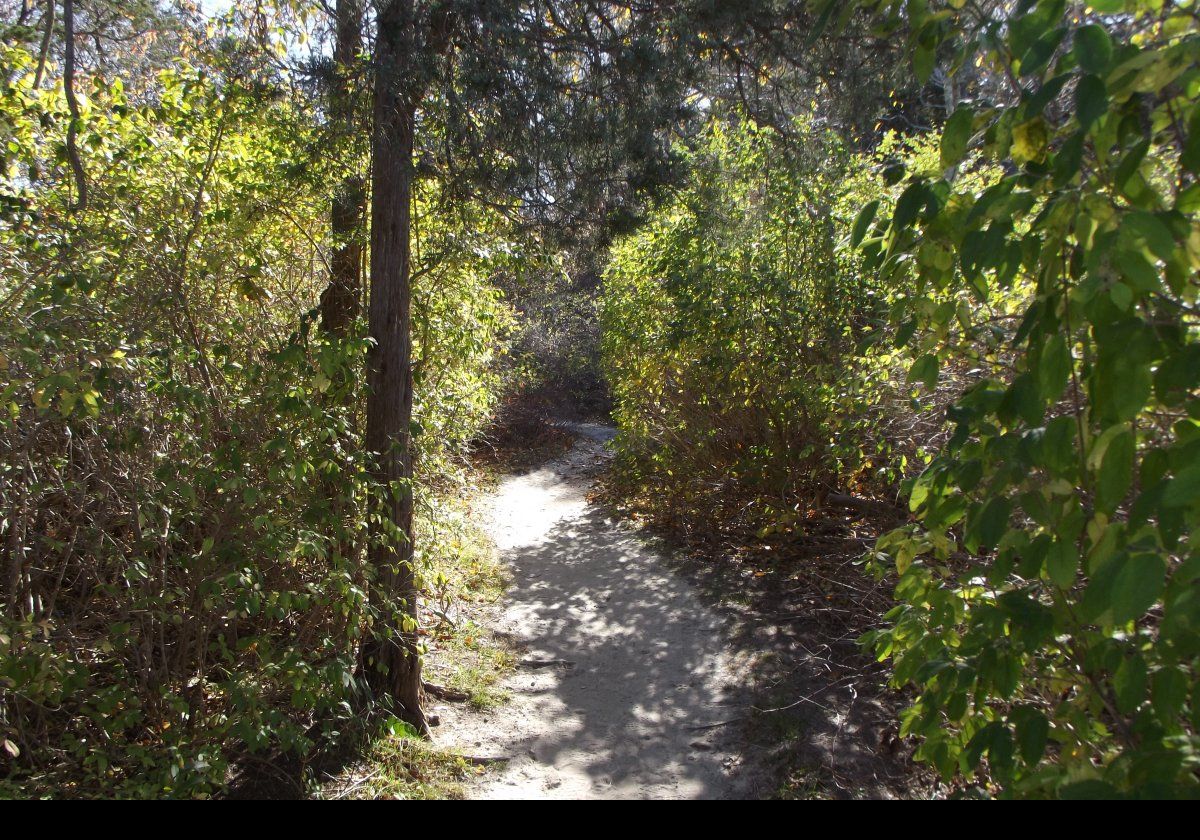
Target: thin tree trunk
81,185
339,302
44,52
390,654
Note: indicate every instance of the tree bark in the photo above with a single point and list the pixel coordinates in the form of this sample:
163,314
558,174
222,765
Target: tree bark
339,302
390,654
81,186
47,35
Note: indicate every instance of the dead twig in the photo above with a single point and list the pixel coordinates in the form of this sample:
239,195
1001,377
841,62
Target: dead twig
450,695
807,699
547,663
706,726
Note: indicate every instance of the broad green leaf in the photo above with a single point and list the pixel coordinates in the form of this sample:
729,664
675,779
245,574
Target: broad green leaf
924,60
1060,446
1091,100
1121,385
1030,141
910,203
1054,366
956,135
1138,584
1116,472
1190,158
1093,48
1130,683
1184,489
1062,563
1138,272
993,521
1033,731
1168,692
865,216
924,370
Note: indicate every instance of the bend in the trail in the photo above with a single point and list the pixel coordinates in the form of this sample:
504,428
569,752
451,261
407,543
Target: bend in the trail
624,669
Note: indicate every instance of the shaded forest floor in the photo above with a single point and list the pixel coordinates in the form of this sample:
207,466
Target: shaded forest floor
822,722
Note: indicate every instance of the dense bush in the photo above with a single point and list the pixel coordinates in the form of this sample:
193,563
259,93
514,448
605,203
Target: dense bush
1048,595
1026,311
182,484
993,319
731,321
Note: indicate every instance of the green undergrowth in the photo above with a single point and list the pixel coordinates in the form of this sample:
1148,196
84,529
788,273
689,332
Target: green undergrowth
401,765
465,579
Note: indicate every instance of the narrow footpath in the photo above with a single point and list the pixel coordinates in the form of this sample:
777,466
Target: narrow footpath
625,676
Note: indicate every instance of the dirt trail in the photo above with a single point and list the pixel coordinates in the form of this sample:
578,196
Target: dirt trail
623,666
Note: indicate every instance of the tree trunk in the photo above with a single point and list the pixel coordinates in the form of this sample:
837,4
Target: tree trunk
390,654
339,302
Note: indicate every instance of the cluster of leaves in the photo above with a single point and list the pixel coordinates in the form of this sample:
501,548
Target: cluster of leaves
184,492
1049,593
740,339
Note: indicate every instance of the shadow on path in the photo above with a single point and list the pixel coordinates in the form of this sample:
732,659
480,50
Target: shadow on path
625,668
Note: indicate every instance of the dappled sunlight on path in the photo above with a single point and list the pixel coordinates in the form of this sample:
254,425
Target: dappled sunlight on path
624,670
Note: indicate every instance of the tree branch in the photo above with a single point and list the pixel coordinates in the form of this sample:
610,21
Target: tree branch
81,200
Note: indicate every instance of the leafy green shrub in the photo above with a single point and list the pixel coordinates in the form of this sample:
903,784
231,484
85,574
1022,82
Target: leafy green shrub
1049,595
728,321
183,487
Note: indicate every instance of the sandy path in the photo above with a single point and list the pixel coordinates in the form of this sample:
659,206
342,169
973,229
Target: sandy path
622,665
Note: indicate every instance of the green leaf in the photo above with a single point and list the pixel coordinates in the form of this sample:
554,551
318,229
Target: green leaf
1184,489
1039,53
1069,159
1060,446
402,729
911,201
1138,272
1129,683
1022,400
1178,375
861,222
1138,584
993,739
823,18
924,370
1168,692
924,59
1116,472
1033,731
1093,48
1062,563
993,521
1129,164
1149,231
1188,201
893,172
1190,158
1054,367
1120,387
956,135
1091,100
1030,141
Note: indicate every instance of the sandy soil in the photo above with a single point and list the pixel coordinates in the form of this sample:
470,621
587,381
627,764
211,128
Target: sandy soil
623,670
